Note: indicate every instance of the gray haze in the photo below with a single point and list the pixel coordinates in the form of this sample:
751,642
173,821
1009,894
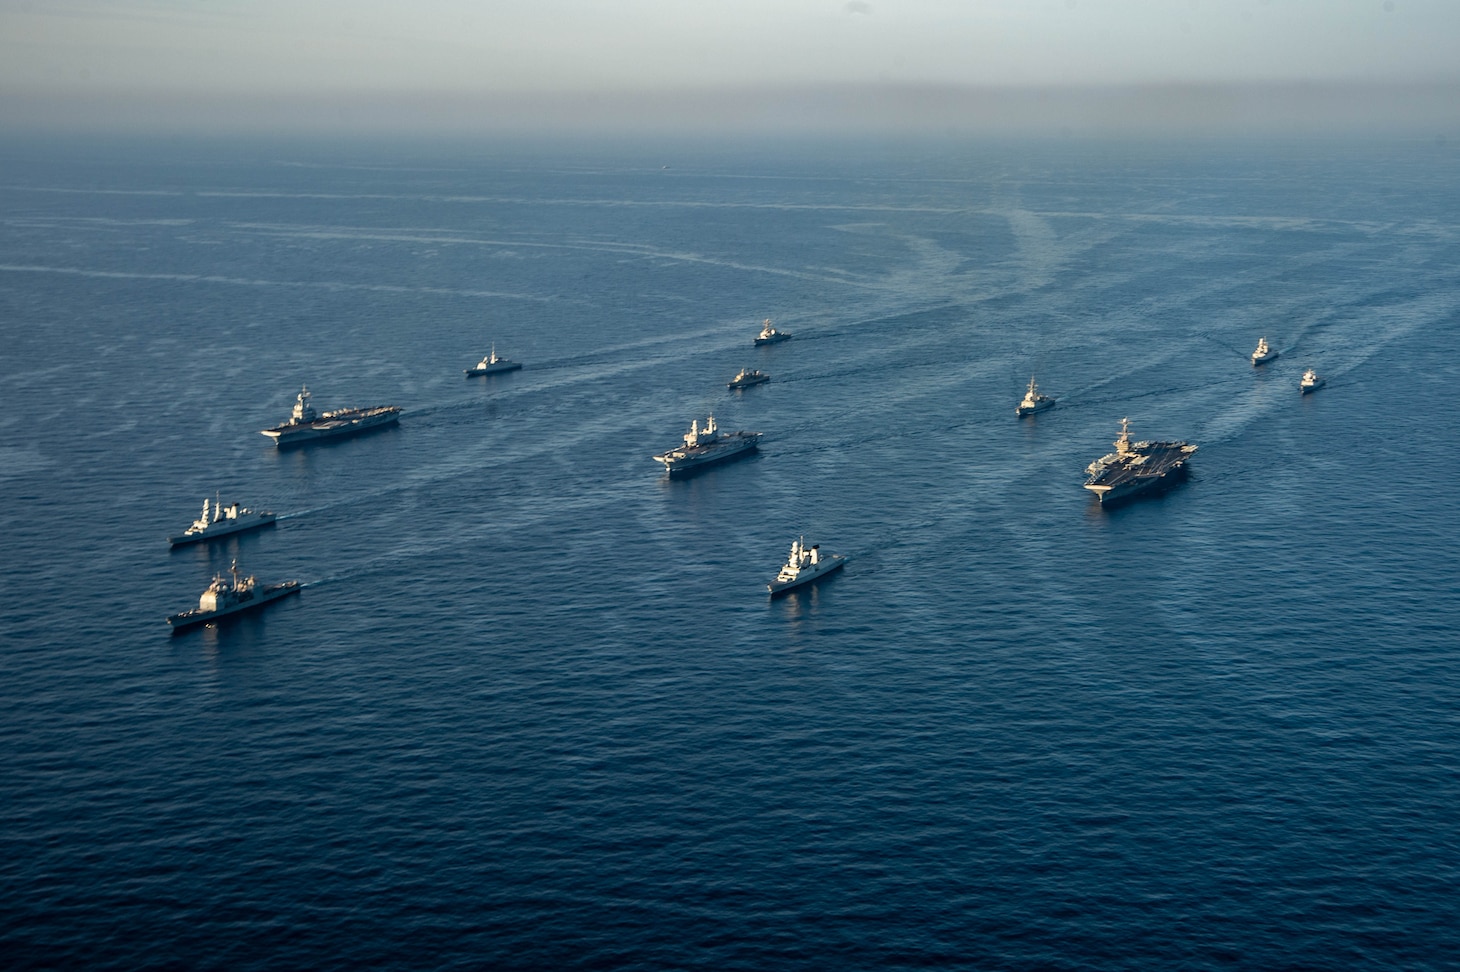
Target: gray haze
455,66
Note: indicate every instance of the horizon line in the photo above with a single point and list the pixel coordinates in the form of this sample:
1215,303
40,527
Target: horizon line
1185,107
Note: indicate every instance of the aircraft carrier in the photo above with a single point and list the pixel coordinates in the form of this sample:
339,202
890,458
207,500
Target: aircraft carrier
305,425
706,447
1135,468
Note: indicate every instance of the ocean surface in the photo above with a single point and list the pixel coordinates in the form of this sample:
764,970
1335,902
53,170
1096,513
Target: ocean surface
533,708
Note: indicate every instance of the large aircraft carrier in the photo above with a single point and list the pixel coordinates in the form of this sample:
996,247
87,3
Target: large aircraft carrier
706,447
1137,467
305,425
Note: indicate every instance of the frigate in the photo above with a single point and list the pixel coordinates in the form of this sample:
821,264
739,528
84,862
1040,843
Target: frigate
748,377
1033,401
222,521
492,364
804,565
769,335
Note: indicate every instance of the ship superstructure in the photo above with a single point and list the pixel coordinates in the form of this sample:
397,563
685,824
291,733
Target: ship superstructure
769,335
707,446
226,596
222,521
1137,467
1033,401
305,425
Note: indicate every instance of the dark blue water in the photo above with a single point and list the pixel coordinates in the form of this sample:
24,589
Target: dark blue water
533,708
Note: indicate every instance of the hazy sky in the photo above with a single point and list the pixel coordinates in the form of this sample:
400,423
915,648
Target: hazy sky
248,59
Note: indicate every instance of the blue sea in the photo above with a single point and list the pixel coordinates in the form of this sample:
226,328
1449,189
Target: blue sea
534,709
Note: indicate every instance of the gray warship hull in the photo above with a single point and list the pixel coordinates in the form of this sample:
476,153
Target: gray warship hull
493,369
1043,405
188,619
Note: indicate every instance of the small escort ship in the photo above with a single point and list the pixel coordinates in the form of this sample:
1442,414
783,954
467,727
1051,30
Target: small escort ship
305,425
1136,468
224,521
492,364
804,565
706,447
1311,382
1263,354
769,335
224,597
1033,401
748,377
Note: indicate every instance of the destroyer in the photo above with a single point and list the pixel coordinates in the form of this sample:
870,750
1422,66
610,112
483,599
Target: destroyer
305,425
1263,354
1135,468
804,565
1033,402
707,446
492,365
769,335
1311,382
748,377
223,521
224,597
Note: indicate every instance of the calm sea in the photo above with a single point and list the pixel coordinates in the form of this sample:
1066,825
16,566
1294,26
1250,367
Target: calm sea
533,708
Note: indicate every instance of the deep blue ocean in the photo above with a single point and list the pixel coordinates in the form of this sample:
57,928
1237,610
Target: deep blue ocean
533,708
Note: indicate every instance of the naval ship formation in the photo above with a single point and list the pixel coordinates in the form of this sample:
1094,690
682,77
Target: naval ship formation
305,425
1133,469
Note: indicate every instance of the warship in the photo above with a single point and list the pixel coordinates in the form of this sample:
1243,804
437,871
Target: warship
1263,354
748,377
804,565
223,521
492,365
1311,382
769,335
706,446
305,425
224,597
1033,401
1135,468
